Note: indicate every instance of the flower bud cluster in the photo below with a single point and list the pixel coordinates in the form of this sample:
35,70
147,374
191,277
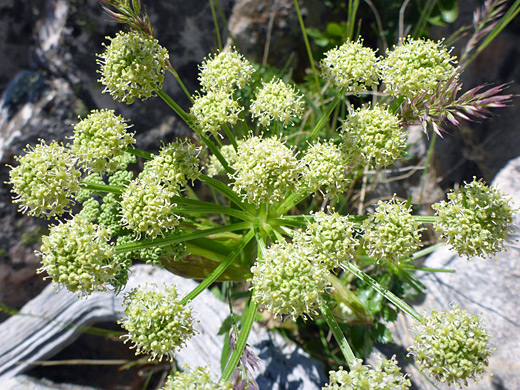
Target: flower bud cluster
45,181
288,281
132,66
476,219
374,133
417,66
276,101
452,346
197,379
214,109
265,170
156,322
76,254
351,66
100,139
385,376
391,233
331,238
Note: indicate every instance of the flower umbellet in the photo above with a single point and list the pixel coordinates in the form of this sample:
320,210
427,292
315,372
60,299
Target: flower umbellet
285,166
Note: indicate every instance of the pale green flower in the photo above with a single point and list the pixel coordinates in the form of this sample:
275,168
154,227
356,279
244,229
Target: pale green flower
276,101
147,207
265,170
325,168
156,322
77,255
417,66
452,346
100,140
374,136
197,379
351,66
385,376
289,281
225,71
45,181
391,233
215,168
214,109
476,219
132,66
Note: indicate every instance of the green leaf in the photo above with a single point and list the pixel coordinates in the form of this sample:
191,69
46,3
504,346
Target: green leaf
335,30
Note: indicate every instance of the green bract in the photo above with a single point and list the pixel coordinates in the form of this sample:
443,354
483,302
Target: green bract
225,71
45,181
385,376
156,322
375,134
289,281
77,255
197,379
351,66
100,140
452,346
417,66
265,170
391,233
476,220
214,109
132,66
276,101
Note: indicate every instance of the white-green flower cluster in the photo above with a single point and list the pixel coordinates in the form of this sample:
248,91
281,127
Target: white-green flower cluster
45,181
265,170
325,168
156,322
476,219
77,254
100,140
385,376
215,168
276,101
132,66
175,164
197,379
225,71
147,207
351,66
288,281
391,233
416,66
452,346
214,109
330,237
375,134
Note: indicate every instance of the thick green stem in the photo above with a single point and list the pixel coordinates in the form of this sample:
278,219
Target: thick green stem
338,335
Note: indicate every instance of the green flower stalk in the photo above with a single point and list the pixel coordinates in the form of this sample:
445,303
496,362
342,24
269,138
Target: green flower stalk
100,140
45,181
452,346
77,255
214,109
265,170
276,101
215,167
476,219
225,71
156,322
325,168
375,135
197,379
289,281
331,238
391,233
351,66
147,208
385,376
416,66
132,66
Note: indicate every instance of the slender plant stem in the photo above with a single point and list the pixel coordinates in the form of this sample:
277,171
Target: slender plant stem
338,334
101,187
140,153
427,163
227,192
231,137
211,146
215,22
179,80
193,205
175,107
325,116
